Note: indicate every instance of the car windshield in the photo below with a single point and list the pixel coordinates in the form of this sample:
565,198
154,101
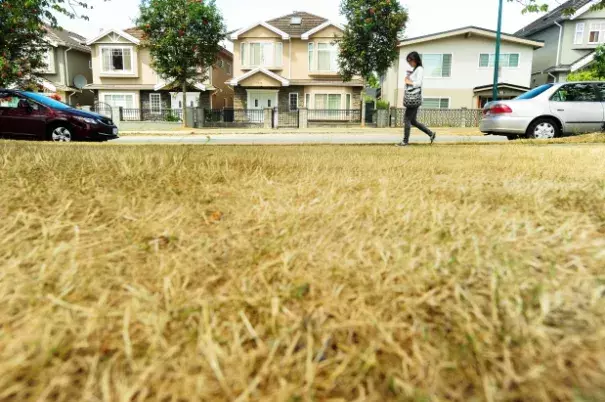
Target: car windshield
46,101
535,92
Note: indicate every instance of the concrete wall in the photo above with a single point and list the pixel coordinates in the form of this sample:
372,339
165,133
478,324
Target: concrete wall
149,126
466,73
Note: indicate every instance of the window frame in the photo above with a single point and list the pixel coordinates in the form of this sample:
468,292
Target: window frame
600,33
491,60
595,91
49,54
580,29
151,95
290,101
311,56
426,75
133,62
134,97
439,100
277,54
333,48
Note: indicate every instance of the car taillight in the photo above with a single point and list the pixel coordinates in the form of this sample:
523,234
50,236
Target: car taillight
498,109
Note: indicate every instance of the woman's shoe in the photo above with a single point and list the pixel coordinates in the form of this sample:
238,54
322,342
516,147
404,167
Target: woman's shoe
403,144
432,136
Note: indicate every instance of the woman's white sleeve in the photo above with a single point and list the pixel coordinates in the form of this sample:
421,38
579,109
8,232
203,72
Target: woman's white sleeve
418,76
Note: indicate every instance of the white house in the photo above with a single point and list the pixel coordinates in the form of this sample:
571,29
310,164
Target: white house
459,68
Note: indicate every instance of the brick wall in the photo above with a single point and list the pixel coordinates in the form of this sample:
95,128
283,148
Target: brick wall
240,98
283,97
356,98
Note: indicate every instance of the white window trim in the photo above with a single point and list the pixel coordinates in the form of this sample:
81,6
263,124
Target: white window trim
51,68
133,94
426,76
245,61
500,66
133,55
316,47
311,61
297,101
580,27
342,98
151,103
449,101
600,31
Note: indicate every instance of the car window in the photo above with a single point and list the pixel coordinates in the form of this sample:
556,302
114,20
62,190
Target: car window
601,90
8,101
576,93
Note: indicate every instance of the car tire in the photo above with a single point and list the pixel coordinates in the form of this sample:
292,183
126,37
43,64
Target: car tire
60,133
543,128
512,137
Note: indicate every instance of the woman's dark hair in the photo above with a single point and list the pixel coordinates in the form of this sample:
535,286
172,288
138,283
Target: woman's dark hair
416,57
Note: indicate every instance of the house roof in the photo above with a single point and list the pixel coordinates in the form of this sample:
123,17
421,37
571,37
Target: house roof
135,32
118,32
549,19
501,85
471,30
308,22
236,80
67,38
329,82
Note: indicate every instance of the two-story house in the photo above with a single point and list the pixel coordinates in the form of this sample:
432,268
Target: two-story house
68,67
123,76
291,62
569,40
459,68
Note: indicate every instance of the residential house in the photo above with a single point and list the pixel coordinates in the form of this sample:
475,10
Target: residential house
68,67
569,40
459,68
123,76
291,62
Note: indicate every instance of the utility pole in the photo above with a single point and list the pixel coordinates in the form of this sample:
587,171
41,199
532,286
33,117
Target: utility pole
497,60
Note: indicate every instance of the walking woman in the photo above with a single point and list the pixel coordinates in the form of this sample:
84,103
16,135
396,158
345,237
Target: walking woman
413,99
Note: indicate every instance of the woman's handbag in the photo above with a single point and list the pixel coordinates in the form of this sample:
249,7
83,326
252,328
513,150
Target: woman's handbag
413,97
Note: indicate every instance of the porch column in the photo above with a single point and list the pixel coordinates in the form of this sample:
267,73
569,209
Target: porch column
303,117
115,116
268,118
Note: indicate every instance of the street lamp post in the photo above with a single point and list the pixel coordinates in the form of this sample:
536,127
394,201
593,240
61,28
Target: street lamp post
497,57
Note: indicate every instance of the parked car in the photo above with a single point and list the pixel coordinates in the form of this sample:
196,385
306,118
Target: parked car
34,115
548,111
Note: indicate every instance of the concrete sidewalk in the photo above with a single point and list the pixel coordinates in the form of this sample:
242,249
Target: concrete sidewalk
446,131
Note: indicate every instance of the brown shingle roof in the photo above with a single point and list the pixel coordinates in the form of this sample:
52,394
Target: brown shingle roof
309,21
67,38
136,32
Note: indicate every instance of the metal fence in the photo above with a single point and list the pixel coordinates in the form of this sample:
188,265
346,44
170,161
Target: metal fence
333,115
441,117
286,119
169,115
233,117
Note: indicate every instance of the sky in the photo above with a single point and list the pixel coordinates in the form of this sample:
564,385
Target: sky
425,16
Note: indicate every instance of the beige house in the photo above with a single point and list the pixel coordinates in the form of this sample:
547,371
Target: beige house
291,62
459,68
68,67
124,77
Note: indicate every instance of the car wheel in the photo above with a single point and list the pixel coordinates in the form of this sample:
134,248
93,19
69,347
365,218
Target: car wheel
60,134
543,129
512,137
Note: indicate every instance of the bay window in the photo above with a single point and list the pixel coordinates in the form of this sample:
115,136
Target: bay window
261,54
116,60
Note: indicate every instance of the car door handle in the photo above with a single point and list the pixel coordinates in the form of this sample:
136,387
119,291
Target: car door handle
560,110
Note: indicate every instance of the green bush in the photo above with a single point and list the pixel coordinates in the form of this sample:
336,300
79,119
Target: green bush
382,105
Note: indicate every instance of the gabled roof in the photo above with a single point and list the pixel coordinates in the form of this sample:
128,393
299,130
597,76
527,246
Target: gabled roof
308,22
63,37
236,81
279,32
118,32
471,30
135,33
558,14
501,85
318,28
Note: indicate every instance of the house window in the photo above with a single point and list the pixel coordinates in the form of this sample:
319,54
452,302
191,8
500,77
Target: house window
293,102
348,101
507,60
328,101
579,37
117,60
308,101
435,103
228,68
437,65
155,103
120,100
311,57
327,57
597,33
48,58
262,54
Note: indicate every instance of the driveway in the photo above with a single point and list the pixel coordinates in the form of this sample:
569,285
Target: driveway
298,138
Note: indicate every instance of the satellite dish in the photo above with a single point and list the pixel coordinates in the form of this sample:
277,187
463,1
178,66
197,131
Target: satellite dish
80,81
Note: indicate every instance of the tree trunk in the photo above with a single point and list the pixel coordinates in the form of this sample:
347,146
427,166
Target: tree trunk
363,107
185,104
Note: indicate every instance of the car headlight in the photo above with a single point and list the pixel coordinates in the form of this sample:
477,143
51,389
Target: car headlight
86,120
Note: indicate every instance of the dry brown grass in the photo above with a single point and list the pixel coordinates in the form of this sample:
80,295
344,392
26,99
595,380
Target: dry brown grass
176,273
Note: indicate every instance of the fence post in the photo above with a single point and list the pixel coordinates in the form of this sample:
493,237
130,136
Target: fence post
121,113
382,118
189,122
393,117
303,118
200,117
268,118
115,112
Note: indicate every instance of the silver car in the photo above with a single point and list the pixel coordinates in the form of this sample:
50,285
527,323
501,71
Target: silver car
548,111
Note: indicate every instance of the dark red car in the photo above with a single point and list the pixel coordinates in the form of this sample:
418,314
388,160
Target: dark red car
33,115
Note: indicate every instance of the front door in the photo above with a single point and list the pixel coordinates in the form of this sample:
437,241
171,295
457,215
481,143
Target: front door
578,107
258,101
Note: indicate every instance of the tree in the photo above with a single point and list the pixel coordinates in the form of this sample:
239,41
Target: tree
22,32
184,39
595,71
370,39
540,6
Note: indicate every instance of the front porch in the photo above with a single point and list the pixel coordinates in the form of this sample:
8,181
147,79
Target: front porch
484,94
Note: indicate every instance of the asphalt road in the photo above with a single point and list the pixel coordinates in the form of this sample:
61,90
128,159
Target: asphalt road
298,138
